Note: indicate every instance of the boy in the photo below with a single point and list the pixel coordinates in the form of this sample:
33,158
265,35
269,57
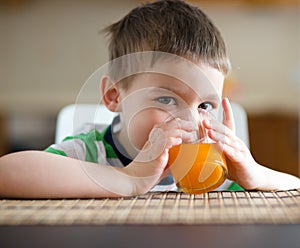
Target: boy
165,56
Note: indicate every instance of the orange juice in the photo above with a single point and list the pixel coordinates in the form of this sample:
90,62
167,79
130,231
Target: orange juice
197,168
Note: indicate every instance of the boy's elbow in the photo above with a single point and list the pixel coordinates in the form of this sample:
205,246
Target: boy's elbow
9,161
13,169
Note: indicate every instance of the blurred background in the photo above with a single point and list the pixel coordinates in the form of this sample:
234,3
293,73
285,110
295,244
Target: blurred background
48,49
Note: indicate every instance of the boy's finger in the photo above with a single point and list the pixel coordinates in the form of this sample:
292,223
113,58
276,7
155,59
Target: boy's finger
224,139
180,124
228,119
217,126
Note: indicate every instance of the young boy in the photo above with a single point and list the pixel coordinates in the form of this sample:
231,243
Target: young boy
165,56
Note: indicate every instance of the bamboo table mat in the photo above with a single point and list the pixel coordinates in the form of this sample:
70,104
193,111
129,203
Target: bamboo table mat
223,207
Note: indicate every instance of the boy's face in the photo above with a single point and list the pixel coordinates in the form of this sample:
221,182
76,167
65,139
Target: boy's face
151,98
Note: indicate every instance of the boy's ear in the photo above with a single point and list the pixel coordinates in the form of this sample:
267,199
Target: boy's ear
110,94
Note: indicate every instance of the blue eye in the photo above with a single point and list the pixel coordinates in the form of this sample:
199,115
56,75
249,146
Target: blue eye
167,100
206,106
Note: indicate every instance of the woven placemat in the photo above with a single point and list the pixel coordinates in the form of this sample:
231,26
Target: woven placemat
225,207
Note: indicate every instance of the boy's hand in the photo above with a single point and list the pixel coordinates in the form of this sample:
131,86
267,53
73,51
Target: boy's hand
148,168
242,168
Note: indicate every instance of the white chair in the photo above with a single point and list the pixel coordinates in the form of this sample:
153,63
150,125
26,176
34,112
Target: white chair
72,117
241,122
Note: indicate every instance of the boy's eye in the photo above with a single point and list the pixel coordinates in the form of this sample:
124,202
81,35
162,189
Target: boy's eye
167,100
206,106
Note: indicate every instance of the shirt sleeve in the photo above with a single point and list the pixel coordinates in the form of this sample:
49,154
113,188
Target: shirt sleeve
71,147
82,146
52,149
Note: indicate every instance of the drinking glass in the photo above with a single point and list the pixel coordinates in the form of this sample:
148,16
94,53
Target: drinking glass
197,165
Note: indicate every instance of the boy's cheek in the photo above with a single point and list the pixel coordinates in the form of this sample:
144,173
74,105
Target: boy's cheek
138,135
141,125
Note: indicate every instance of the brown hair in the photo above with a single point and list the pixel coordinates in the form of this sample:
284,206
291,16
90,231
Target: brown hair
169,26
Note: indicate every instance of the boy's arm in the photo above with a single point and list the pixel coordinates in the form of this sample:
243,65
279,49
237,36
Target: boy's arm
275,180
242,168
36,174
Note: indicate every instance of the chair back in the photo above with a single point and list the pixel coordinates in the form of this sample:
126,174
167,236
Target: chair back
72,117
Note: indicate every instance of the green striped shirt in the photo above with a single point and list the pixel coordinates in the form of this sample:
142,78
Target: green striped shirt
91,146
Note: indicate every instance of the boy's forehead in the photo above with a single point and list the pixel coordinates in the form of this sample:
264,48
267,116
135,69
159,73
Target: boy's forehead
183,79
201,78
198,76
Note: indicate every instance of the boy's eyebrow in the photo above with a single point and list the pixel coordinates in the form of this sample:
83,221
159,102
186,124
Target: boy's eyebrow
211,97
160,88
170,89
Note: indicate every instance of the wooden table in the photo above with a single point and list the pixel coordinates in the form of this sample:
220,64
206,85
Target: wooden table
227,219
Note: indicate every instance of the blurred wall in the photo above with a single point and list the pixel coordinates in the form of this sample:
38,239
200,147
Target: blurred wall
49,48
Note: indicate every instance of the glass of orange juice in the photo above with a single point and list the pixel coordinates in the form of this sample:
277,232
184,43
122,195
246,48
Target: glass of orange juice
197,166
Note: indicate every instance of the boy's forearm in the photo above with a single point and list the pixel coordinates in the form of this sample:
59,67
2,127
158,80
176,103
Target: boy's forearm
35,174
275,180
